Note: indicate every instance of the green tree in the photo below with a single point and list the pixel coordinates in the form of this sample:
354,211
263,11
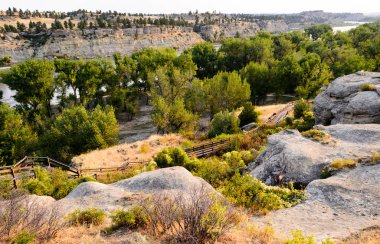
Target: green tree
316,31
248,115
76,131
223,123
226,91
16,138
33,81
258,77
315,75
205,57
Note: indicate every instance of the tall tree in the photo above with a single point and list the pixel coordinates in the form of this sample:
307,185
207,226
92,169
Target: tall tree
33,81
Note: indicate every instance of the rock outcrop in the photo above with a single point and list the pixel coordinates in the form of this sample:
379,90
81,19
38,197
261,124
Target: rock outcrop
344,102
291,157
126,193
336,207
98,43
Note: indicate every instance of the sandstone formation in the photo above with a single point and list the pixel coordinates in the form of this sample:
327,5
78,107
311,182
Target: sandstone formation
98,43
344,102
291,157
242,29
336,207
125,193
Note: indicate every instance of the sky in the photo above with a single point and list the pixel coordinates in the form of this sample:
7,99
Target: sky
182,6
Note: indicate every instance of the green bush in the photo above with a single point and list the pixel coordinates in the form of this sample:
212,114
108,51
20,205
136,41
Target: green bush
131,219
91,216
56,184
300,108
317,135
248,115
171,156
223,122
367,87
251,193
214,171
299,238
24,238
304,123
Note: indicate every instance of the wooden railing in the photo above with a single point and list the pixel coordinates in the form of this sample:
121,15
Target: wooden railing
208,148
25,168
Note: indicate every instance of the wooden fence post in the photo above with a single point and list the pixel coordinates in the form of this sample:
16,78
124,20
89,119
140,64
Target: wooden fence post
14,178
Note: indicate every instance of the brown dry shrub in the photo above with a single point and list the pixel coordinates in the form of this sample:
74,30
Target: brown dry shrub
198,217
22,213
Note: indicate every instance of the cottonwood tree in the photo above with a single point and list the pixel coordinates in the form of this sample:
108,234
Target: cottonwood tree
226,91
76,131
16,137
33,81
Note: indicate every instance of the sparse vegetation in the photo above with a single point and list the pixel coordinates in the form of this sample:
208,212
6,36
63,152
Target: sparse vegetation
251,193
339,164
367,87
24,219
196,218
317,135
132,219
375,158
88,217
56,183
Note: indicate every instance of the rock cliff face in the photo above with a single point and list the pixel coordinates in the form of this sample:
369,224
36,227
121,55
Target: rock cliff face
344,102
242,29
96,43
336,207
291,157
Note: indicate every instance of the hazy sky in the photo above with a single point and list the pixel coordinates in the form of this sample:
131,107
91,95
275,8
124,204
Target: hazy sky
176,6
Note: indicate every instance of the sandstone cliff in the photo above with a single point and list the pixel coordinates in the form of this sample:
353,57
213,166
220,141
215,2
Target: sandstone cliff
97,43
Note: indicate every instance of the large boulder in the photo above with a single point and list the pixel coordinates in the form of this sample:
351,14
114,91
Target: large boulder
289,156
125,193
344,102
338,206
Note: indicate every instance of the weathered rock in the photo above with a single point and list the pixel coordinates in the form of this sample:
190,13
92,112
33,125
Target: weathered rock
291,157
336,207
343,102
102,42
125,193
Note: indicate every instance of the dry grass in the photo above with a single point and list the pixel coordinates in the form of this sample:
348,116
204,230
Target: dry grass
118,155
145,148
47,21
343,164
375,158
268,110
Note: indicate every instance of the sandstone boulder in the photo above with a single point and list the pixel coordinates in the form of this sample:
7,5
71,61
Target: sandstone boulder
344,102
125,193
338,206
291,157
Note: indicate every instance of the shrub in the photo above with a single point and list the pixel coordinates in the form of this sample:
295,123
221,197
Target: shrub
214,171
131,219
367,87
375,158
317,135
300,108
172,156
56,183
24,218
223,122
299,238
6,186
253,194
198,217
237,159
144,148
91,216
342,164
24,238
304,123
248,115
